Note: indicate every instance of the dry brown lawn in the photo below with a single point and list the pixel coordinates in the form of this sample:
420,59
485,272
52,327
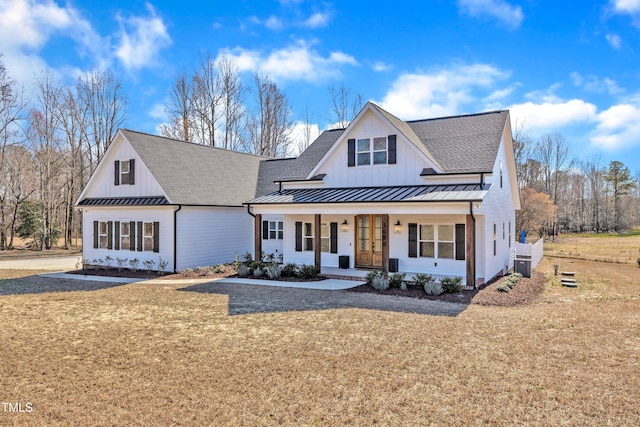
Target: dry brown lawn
603,247
149,354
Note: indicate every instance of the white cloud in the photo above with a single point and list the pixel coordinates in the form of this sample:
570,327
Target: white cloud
140,40
509,15
27,25
441,93
317,20
380,66
626,6
274,23
594,84
549,115
298,136
614,40
296,62
618,127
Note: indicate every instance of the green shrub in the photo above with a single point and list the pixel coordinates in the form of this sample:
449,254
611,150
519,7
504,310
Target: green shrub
451,284
422,279
289,270
433,288
243,270
503,288
257,272
308,271
274,271
378,280
396,280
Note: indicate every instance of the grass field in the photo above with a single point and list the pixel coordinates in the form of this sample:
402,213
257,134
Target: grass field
624,249
149,354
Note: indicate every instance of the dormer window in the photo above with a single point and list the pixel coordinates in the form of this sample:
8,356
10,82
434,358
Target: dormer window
372,151
124,171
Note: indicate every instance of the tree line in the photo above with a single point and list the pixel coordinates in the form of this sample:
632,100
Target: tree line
52,140
561,194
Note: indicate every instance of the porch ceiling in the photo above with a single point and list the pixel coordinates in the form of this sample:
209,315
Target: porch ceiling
411,193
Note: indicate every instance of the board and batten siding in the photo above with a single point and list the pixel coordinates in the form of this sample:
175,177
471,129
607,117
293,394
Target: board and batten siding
498,208
102,183
212,235
163,215
409,160
273,246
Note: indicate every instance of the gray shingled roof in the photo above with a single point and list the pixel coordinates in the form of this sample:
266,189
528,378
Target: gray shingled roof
457,144
404,193
463,144
194,174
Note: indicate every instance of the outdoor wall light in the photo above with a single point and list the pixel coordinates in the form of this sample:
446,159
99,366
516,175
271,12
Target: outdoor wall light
345,226
397,227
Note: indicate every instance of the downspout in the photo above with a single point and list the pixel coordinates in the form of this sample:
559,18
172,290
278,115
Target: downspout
175,238
473,241
249,210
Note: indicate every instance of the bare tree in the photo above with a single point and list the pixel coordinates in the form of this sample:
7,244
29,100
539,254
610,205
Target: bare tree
206,100
619,177
269,130
345,105
101,93
231,94
181,109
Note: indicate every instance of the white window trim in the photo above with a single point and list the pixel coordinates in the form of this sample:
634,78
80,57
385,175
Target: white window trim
325,226
372,151
436,240
276,230
146,236
123,236
307,238
105,234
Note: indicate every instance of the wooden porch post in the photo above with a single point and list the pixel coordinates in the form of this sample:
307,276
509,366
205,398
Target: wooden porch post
316,241
471,252
258,237
385,243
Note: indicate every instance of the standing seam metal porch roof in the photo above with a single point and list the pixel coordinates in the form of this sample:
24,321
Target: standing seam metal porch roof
404,193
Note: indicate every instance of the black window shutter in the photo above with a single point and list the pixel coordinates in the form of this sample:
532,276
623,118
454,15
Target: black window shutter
265,230
110,235
132,173
95,234
351,148
413,240
132,235
156,237
298,236
116,235
333,237
139,236
116,169
460,251
392,150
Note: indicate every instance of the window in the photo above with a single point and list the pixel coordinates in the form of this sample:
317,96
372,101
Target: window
103,235
276,230
366,152
495,228
325,237
446,241
308,236
124,172
148,236
125,235
363,152
509,233
426,242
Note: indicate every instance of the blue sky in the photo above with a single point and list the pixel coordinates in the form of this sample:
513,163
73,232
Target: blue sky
560,67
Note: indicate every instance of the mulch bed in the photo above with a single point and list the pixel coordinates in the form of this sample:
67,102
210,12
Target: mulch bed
524,292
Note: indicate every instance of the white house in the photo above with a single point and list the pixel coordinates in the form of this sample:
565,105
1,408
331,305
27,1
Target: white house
433,196
153,197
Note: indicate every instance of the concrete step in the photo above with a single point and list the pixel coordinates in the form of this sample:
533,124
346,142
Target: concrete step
568,273
563,280
570,284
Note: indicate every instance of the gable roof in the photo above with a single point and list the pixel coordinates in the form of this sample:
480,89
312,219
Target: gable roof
457,144
195,174
463,144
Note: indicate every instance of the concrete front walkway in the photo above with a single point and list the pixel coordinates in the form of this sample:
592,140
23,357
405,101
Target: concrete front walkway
327,285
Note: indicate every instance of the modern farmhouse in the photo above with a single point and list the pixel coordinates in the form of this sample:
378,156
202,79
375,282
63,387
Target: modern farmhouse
436,196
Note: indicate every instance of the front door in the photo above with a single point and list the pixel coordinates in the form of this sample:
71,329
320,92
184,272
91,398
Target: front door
369,241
